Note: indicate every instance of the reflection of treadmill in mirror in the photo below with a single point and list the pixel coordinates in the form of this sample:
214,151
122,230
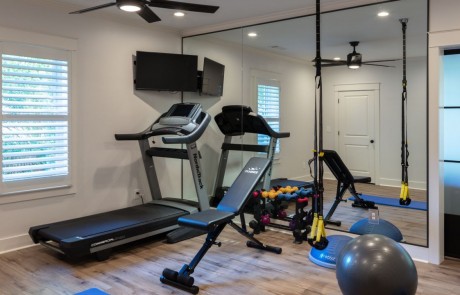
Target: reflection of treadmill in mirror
97,234
236,121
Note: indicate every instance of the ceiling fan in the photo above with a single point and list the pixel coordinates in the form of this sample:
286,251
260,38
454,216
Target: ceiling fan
354,60
141,7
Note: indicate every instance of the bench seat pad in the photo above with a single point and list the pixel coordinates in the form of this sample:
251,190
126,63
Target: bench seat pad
205,220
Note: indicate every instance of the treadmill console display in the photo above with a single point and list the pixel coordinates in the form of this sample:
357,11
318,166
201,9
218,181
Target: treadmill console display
180,114
182,110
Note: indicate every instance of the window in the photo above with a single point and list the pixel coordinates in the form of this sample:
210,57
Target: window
268,106
34,118
450,120
450,148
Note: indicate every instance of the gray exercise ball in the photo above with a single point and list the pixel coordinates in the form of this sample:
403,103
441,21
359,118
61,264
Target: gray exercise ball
377,265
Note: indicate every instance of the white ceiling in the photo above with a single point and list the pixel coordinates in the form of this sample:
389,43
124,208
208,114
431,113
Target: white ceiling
380,38
231,13
289,37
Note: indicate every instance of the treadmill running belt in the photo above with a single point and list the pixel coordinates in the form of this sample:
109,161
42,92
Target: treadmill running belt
113,221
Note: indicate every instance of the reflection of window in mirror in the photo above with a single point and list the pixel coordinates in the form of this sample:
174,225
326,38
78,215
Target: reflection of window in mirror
267,89
450,114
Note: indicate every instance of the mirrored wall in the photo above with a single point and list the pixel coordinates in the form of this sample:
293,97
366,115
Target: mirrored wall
362,107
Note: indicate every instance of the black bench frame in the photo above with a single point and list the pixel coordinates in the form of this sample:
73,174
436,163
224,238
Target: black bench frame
345,181
214,221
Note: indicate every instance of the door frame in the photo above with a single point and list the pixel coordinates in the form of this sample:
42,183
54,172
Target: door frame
375,87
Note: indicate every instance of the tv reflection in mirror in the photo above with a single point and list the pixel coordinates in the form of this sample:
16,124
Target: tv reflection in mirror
165,71
212,78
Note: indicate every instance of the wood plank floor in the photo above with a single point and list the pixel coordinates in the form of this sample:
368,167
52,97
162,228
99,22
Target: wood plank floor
231,269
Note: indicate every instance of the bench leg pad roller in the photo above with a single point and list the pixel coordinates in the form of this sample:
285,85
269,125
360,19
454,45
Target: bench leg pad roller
183,282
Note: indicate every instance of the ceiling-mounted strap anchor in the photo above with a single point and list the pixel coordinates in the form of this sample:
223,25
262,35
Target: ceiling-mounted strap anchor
404,20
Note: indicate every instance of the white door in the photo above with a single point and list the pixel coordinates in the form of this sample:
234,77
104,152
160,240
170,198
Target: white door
356,131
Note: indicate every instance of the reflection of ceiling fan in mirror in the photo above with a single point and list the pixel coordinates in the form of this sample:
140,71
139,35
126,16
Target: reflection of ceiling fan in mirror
354,60
142,9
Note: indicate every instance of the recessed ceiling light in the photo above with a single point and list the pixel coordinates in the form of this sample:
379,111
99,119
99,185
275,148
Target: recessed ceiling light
252,34
383,13
337,58
179,14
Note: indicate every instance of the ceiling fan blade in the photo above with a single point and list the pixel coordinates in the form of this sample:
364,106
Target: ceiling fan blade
376,65
148,15
183,6
382,60
332,60
93,8
332,65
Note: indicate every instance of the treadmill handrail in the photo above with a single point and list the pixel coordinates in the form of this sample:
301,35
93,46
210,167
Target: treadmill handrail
135,136
140,135
202,122
193,136
245,114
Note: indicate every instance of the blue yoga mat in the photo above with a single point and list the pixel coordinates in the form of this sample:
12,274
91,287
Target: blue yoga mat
417,205
92,291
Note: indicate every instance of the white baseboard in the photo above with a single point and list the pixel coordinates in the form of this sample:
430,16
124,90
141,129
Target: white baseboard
15,243
302,178
421,185
328,175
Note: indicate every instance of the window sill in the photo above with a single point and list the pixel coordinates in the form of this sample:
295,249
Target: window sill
23,196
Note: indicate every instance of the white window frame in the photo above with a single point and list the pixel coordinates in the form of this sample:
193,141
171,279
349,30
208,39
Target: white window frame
22,43
269,79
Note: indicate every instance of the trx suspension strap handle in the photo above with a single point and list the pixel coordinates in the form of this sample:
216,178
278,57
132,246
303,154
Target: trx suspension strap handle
317,237
404,198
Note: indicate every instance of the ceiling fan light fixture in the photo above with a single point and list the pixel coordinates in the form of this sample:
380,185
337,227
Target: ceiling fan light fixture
354,60
354,66
129,5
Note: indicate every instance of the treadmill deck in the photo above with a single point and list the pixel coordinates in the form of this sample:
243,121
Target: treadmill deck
113,221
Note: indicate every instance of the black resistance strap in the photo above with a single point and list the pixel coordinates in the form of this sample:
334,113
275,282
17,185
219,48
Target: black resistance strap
404,198
317,237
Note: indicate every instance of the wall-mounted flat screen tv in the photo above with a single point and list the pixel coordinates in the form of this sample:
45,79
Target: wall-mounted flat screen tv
165,71
212,78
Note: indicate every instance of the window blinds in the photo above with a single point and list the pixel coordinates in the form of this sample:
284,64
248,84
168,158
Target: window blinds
268,104
35,135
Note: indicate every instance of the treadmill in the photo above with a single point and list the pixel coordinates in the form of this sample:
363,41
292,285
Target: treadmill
235,121
183,123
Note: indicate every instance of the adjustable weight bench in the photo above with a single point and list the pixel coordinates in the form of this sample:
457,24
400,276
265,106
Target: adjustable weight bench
345,181
214,221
